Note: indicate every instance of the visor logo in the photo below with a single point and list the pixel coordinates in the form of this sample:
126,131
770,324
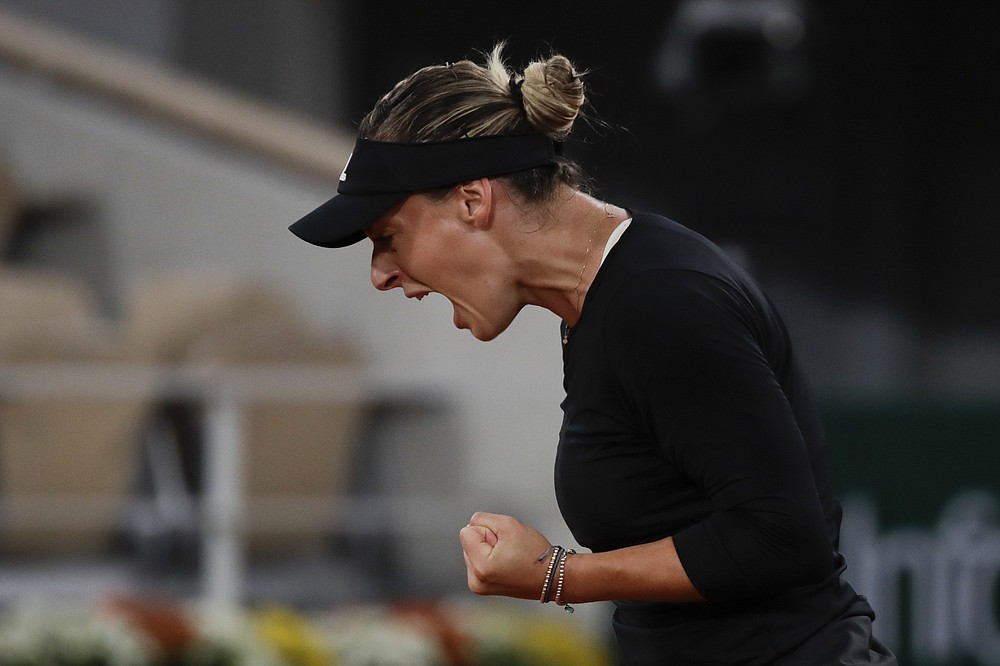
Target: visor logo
343,174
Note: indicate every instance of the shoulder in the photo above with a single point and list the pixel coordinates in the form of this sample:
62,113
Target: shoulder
656,243
675,305
661,267
672,293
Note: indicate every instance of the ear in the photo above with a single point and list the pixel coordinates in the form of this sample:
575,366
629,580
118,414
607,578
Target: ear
476,199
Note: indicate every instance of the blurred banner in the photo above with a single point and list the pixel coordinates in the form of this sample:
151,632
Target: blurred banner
920,484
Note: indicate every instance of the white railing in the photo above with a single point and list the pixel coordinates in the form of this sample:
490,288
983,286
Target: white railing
220,514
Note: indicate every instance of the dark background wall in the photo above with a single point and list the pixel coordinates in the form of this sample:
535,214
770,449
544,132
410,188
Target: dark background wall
865,160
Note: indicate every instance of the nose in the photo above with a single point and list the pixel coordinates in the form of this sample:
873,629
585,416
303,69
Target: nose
385,274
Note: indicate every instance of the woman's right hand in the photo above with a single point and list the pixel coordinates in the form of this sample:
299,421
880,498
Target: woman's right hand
501,556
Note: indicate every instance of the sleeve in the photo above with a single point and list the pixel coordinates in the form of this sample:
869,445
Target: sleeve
690,365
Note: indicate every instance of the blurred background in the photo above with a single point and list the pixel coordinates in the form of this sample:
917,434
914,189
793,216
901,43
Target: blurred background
196,406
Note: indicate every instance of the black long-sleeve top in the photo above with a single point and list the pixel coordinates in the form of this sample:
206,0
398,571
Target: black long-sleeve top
686,415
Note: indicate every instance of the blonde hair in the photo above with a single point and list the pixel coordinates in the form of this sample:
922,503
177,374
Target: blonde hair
463,100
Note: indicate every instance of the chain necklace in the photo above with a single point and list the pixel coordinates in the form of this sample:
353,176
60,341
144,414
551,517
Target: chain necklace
583,269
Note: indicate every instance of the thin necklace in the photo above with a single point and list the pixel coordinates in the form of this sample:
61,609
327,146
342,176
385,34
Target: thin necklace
583,269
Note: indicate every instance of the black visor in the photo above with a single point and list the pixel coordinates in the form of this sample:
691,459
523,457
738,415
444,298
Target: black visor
379,174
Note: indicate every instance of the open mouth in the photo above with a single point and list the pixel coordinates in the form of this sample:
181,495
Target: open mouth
419,295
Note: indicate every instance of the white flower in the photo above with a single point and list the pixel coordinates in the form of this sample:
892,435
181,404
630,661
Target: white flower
370,637
64,635
232,629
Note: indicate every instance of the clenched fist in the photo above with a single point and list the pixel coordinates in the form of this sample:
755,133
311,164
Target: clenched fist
501,556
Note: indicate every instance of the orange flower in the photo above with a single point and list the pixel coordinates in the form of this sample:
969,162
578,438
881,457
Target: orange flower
165,622
431,620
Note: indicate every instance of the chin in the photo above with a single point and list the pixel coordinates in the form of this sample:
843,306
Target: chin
485,335
484,329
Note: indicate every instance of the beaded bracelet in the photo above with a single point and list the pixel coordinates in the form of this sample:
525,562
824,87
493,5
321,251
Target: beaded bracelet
550,573
562,577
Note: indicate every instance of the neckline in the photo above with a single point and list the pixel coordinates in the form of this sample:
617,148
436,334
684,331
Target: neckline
613,239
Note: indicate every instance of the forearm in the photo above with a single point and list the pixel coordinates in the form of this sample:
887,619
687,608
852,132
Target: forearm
647,572
502,558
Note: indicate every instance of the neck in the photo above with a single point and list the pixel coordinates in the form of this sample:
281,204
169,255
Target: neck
561,254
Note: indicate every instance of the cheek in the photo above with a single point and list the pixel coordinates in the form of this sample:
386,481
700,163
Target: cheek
451,260
441,260
429,262
476,279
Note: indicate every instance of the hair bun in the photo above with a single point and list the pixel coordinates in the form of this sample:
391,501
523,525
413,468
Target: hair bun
553,94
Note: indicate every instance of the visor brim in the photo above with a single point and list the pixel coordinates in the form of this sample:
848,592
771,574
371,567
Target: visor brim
341,221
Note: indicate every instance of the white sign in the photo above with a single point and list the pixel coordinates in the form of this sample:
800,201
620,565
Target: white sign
951,571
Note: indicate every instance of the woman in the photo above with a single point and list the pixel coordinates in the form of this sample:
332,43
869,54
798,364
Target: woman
690,461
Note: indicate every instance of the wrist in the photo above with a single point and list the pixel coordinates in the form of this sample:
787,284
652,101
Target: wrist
555,576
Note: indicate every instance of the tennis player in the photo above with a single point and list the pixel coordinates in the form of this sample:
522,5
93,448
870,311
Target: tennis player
691,458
